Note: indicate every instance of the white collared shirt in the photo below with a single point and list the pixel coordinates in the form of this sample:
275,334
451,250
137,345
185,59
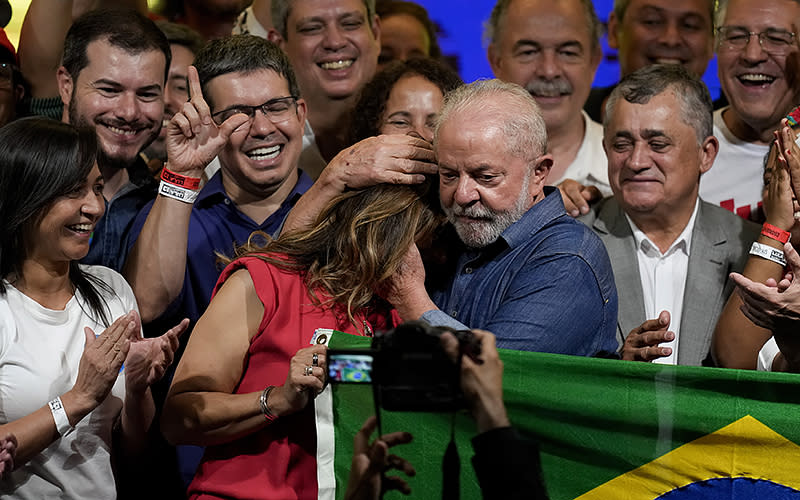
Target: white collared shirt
663,278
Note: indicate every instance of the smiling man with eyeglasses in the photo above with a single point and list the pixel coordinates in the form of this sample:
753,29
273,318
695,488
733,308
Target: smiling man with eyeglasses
758,60
245,108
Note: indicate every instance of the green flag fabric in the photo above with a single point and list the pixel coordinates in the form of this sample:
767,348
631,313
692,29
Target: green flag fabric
610,429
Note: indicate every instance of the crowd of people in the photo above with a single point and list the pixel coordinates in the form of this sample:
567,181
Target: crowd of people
190,197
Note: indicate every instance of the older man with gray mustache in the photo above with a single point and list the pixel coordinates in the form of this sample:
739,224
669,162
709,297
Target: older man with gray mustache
551,49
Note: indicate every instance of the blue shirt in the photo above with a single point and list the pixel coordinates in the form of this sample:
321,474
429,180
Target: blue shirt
216,226
108,246
545,285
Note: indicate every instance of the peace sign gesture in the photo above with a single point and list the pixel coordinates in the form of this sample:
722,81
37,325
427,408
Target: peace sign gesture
193,139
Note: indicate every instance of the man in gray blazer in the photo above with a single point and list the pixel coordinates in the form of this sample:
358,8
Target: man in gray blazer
671,252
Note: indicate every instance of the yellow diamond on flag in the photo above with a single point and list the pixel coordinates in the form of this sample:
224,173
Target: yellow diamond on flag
744,449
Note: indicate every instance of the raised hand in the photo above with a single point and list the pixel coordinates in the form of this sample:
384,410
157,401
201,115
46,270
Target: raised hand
371,460
149,358
482,381
778,202
193,138
791,152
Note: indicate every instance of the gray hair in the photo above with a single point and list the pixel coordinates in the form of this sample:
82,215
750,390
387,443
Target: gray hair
280,10
524,127
242,54
645,83
493,25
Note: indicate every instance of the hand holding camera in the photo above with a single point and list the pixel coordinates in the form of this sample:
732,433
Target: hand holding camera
481,379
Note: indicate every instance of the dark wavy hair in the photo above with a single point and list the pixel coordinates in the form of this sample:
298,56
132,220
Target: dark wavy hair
42,160
356,243
366,118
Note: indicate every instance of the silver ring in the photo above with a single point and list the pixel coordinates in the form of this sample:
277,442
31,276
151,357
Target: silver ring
308,370
315,359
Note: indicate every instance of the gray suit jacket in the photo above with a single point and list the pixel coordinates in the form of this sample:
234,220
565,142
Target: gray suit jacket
720,244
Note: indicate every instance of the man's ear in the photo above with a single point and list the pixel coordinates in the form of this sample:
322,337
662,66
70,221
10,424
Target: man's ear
708,153
542,167
65,85
275,37
613,23
376,29
493,55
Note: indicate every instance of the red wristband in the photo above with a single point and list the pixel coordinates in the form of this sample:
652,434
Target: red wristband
180,180
775,233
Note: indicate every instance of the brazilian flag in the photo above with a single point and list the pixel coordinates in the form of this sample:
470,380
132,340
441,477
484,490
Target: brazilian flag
611,430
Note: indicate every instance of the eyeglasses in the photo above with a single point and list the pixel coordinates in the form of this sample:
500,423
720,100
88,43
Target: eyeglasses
276,110
773,41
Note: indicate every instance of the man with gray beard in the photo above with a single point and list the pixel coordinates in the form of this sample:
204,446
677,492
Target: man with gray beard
552,48
525,270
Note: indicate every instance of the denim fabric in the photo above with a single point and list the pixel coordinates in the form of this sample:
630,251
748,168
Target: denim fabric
546,285
108,246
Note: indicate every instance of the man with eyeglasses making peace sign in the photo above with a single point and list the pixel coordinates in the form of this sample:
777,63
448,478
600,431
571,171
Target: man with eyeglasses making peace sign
757,56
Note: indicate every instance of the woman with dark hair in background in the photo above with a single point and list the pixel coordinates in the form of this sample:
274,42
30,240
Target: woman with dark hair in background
407,31
403,98
243,387
63,389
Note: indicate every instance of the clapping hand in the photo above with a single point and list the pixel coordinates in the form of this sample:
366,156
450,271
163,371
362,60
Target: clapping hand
149,358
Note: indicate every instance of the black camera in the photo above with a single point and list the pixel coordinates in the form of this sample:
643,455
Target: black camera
408,367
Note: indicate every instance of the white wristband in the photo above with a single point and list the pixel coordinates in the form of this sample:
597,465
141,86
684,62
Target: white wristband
60,417
177,192
768,252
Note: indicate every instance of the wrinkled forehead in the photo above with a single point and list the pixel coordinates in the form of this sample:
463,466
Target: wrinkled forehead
307,9
544,22
680,8
762,14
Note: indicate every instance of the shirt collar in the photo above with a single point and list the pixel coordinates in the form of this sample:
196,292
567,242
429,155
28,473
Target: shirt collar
682,242
214,187
538,216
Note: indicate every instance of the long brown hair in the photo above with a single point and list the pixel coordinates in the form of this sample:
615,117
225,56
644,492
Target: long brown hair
356,243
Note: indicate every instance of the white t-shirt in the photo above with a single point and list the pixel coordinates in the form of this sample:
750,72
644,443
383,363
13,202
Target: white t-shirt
590,166
40,350
247,24
736,180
